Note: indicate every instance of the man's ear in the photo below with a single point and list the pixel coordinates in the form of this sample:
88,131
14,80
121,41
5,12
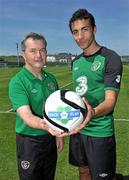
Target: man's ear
23,55
95,29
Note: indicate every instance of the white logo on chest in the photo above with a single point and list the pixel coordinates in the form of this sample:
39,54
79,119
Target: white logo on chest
34,91
95,66
81,87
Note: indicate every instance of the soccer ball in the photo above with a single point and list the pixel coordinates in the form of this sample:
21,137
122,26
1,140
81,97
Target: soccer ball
64,110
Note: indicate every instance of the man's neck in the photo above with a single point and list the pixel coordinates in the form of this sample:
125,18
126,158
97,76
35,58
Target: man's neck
35,71
92,49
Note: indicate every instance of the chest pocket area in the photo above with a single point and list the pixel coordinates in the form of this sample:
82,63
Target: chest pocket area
49,88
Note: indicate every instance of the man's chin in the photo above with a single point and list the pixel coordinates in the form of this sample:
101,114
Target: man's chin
83,47
39,65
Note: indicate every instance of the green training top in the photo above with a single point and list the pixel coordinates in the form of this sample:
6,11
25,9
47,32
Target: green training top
92,76
26,89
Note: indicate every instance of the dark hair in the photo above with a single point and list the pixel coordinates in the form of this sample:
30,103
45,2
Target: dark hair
81,14
34,36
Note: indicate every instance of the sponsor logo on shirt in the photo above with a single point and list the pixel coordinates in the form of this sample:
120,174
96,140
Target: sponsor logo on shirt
34,91
82,86
76,68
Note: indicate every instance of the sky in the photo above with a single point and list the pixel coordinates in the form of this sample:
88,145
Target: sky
51,18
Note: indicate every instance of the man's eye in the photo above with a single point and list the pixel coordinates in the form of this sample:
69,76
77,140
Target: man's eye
33,50
43,50
75,32
85,30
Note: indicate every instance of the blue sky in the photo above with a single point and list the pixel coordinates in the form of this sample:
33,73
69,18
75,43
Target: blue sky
51,17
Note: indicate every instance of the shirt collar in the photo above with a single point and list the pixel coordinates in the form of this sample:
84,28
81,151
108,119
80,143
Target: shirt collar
31,76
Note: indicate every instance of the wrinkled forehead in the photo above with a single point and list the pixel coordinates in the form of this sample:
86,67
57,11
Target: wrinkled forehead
33,43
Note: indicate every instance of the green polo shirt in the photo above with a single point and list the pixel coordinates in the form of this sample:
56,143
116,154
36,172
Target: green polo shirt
26,89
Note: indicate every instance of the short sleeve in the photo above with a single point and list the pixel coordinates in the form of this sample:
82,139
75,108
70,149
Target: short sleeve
113,71
17,94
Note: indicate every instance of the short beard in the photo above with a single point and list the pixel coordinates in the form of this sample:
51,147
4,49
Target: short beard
88,44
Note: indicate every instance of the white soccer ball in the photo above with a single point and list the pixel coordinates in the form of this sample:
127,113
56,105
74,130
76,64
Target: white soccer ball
64,110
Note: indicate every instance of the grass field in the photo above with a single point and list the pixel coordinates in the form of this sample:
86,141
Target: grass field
8,168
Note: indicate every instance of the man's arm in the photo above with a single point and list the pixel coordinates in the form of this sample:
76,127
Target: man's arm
34,121
106,107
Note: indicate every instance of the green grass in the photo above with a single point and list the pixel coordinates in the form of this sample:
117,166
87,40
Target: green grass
122,107
8,167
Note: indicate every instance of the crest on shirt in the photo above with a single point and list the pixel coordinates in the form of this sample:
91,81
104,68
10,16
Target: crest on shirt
25,164
51,86
96,65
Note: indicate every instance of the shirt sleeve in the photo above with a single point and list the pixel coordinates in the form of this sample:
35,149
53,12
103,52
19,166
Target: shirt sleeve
17,94
113,72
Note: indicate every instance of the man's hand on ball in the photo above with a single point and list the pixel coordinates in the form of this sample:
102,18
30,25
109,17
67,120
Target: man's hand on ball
89,116
49,129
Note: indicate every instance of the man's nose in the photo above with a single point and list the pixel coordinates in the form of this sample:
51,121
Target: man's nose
38,53
80,34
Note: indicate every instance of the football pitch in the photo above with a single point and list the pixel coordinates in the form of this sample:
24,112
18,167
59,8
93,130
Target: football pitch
64,171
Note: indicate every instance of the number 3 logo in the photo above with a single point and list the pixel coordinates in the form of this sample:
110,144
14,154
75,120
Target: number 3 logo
82,86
